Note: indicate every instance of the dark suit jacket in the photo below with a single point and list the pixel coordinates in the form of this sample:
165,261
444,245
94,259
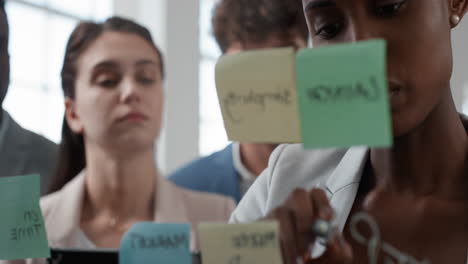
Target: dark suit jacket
24,152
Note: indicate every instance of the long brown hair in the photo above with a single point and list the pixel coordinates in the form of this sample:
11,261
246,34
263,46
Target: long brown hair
72,157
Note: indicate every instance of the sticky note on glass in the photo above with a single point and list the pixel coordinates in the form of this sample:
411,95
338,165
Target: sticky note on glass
240,243
162,243
22,231
257,95
343,99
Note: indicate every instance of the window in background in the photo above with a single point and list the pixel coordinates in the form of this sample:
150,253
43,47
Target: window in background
39,30
212,133
464,93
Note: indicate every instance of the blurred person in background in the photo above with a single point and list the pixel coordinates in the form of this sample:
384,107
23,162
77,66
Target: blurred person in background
21,151
107,179
241,25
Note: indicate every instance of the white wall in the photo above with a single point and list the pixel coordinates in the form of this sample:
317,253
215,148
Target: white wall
175,28
460,54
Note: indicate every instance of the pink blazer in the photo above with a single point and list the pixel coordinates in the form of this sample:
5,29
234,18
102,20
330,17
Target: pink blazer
62,212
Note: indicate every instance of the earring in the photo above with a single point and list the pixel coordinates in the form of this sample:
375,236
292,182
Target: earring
455,19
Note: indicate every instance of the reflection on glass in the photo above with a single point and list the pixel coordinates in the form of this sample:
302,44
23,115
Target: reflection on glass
465,99
59,29
27,42
86,9
208,45
212,133
81,8
37,43
37,2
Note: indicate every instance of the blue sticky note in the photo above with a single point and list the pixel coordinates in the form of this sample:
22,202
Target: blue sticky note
22,231
161,243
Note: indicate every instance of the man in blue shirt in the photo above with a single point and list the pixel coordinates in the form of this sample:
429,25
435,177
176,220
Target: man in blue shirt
21,151
241,25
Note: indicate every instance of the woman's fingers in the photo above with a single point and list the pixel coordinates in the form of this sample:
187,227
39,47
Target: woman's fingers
303,212
323,209
296,219
287,234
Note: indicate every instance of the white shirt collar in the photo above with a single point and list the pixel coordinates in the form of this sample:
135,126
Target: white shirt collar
245,174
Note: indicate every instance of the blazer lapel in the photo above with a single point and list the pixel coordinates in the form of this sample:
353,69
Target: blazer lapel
64,217
343,184
342,188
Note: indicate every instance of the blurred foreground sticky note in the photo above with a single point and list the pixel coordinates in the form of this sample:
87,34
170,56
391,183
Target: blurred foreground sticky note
343,97
22,231
240,243
257,95
161,243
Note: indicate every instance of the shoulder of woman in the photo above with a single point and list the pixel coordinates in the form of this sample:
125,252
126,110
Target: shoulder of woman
48,202
290,166
216,207
63,199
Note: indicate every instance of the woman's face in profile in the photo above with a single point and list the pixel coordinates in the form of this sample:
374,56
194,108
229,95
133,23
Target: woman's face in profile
118,96
419,55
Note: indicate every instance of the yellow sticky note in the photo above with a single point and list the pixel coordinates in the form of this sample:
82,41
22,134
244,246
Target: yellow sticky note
240,243
257,95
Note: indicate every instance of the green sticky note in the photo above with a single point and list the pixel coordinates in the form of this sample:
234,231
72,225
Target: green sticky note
342,94
240,243
257,95
22,231
162,243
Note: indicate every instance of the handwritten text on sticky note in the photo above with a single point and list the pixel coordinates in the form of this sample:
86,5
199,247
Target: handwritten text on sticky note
257,95
342,94
160,243
22,231
240,243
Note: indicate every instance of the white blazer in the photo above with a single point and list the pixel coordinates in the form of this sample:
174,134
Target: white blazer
336,171
62,213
